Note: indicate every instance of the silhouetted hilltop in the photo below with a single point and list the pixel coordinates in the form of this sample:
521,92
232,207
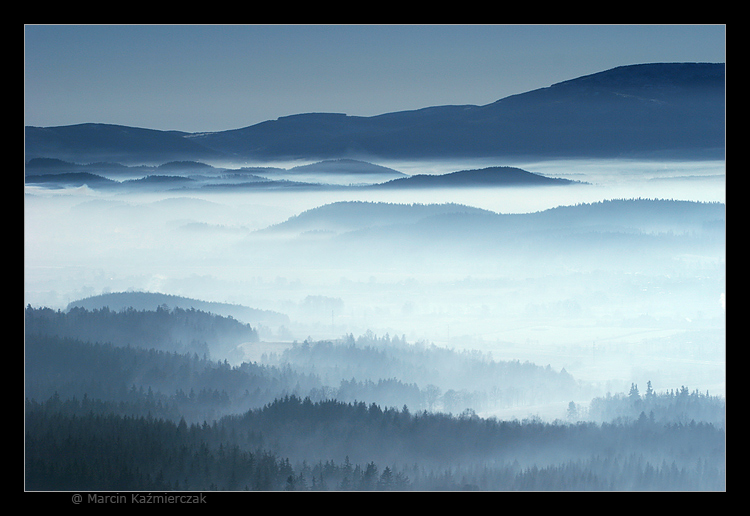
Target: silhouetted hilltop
186,167
151,300
672,108
68,179
491,176
346,166
159,182
646,214
49,165
39,166
332,173
414,238
661,109
466,222
568,226
103,142
353,215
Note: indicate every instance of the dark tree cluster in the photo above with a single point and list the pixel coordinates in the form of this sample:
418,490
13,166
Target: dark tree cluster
178,384
109,353
177,329
681,405
67,447
109,452
104,415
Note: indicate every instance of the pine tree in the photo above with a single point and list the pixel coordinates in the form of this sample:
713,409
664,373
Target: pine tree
649,390
386,480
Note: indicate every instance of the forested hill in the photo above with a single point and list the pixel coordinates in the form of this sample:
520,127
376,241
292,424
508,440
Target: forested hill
384,370
152,300
345,216
486,177
176,421
346,166
298,445
464,222
185,331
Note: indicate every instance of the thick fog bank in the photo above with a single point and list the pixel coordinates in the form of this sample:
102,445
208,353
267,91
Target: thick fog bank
610,303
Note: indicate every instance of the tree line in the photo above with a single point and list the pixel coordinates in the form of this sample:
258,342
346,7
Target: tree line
107,353
680,405
176,329
106,415
69,445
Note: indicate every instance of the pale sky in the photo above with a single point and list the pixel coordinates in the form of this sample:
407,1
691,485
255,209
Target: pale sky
216,77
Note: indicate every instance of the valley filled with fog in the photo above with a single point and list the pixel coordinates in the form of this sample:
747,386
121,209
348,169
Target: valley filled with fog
527,294
614,278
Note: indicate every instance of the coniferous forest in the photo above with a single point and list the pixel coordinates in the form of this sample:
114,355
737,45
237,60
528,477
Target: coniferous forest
106,411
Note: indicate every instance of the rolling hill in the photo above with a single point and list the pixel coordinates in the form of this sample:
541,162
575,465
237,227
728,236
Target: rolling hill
346,166
345,216
490,176
93,142
369,225
117,301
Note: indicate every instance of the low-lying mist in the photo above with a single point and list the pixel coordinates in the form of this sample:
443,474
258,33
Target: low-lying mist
610,300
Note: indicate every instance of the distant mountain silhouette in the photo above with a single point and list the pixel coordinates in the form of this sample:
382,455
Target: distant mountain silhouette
50,165
416,238
640,109
661,109
41,166
159,181
491,176
69,179
359,227
186,166
197,175
334,172
103,142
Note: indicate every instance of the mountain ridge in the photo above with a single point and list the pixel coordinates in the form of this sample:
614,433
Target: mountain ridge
52,172
346,216
644,109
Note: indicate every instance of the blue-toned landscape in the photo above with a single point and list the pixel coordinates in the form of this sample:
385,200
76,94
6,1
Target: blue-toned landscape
524,295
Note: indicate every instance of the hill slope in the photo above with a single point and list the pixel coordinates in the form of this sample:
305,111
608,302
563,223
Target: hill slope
117,301
640,109
676,109
93,142
346,166
347,216
491,176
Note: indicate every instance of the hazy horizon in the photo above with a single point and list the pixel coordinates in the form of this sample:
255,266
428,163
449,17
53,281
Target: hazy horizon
204,78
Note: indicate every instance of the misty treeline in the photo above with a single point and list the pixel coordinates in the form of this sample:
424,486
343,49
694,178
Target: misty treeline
672,406
105,409
448,380
175,329
79,444
99,356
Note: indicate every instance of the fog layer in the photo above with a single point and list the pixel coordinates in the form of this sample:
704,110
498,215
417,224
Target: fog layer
611,297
